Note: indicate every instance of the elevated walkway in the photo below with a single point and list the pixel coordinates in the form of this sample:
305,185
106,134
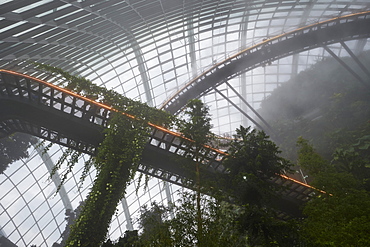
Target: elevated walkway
321,34
36,107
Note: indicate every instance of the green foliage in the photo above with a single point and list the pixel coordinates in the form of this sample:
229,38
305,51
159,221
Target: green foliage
253,160
130,239
117,158
111,98
354,158
339,219
197,125
262,228
86,88
155,227
309,159
70,218
331,109
252,223
13,148
340,216
219,227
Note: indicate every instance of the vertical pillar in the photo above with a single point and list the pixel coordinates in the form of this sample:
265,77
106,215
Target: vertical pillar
55,178
126,211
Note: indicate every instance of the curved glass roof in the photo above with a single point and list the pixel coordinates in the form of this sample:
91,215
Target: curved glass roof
146,50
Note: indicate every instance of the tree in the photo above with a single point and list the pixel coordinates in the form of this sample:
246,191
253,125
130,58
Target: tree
218,222
253,161
309,159
341,215
197,127
13,148
249,220
154,225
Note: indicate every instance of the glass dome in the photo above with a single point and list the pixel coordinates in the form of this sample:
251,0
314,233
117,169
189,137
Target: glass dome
148,51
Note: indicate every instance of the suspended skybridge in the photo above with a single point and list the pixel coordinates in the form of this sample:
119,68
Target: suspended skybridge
321,34
41,109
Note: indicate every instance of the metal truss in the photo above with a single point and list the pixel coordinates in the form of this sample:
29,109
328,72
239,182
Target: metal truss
339,29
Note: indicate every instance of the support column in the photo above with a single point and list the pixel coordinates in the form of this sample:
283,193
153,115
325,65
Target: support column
169,198
55,178
193,58
126,211
243,76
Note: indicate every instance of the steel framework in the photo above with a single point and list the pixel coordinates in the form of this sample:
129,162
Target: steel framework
149,50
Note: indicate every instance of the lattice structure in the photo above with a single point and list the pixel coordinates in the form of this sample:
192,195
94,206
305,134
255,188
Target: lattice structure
146,50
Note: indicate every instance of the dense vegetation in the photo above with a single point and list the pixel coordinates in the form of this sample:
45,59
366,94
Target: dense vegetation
248,219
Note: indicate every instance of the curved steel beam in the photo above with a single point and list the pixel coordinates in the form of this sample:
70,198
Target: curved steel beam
134,45
44,155
349,27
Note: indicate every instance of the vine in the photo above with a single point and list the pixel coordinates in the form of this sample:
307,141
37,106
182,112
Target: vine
117,158
86,88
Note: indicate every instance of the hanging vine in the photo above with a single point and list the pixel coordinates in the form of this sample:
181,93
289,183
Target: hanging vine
117,158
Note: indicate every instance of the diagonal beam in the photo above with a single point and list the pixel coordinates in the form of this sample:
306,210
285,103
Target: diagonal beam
349,69
238,108
250,107
349,27
355,58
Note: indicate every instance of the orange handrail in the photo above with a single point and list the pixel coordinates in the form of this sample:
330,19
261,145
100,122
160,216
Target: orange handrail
177,134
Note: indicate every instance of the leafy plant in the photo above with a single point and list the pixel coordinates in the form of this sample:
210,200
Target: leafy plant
197,127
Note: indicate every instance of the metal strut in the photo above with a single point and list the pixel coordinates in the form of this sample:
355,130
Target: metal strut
355,58
238,108
345,66
250,107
